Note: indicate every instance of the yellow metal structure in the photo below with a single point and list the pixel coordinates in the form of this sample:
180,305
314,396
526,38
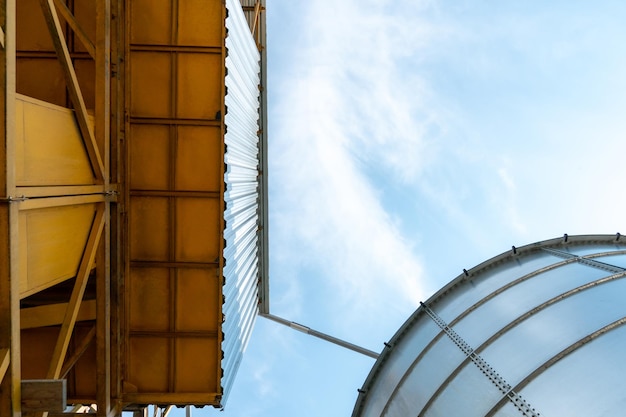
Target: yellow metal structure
175,91
111,200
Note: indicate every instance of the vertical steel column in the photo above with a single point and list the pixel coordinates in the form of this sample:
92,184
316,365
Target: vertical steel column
10,393
102,134
116,209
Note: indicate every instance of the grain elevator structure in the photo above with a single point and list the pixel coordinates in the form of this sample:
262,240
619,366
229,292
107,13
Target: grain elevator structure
132,201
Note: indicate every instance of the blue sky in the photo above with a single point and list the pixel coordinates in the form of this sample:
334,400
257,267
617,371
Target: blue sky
411,139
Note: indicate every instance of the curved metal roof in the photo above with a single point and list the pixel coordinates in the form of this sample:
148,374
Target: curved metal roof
537,330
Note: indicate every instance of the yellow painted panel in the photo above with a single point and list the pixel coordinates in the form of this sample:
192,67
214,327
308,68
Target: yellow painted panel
198,301
149,157
23,251
200,22
200,80
149,228
150,84
151,22
49,148
149,293
55,239
198,229
197,364
199,159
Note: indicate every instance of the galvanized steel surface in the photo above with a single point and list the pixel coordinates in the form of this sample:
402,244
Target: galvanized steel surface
538,330
241,233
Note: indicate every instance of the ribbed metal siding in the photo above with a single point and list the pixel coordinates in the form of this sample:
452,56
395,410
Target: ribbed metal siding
538,330
242,191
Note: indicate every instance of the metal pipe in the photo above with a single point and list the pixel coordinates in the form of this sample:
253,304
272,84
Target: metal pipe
320,335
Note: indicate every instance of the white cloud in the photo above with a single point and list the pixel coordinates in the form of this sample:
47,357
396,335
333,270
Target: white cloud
350,106
446,107
508,202
495,126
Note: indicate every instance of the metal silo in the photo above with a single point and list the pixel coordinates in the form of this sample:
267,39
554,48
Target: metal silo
537,330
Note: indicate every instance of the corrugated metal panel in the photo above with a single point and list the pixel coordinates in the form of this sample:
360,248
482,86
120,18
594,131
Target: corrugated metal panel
241,269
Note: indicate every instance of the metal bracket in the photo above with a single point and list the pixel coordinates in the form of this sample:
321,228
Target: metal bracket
11,199
111,195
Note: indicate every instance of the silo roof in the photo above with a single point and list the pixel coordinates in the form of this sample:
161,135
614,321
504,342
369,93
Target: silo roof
502,334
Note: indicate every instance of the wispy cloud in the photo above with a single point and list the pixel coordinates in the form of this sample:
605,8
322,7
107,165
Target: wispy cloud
489,121
350,107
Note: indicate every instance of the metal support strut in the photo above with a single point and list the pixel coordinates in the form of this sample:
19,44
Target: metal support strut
504,387
320,335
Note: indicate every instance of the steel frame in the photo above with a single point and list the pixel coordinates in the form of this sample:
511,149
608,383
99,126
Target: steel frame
516,322
10,368
104,259
102,194
439,335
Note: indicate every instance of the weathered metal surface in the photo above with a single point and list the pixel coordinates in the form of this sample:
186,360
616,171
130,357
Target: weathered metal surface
115,213
175,84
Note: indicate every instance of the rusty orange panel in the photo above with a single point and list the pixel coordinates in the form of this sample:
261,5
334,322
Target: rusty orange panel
193,373
85,14
41,79
198,158
149,228
38,72
196,23
198,232
32,33
197,151
150,78
199,86
37,346
86,73
149,293
194,288
81,382
149,364
149,157
175,197
151,22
